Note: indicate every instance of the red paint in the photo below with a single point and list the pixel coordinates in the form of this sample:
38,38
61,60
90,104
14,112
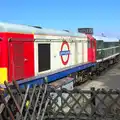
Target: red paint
91,49
29,59
3,56
0,52
63,61
13,53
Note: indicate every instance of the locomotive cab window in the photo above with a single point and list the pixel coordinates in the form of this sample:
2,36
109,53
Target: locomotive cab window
43,57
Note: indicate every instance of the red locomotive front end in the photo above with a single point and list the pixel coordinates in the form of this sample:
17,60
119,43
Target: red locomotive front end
16,54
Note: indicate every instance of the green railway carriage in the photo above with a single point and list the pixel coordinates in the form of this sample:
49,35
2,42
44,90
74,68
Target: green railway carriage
107,47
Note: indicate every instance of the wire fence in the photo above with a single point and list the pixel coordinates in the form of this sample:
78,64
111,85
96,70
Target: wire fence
46,103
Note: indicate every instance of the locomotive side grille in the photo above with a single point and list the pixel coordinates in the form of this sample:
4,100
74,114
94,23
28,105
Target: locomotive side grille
18,60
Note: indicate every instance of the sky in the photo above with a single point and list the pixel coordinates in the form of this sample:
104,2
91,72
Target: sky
101,15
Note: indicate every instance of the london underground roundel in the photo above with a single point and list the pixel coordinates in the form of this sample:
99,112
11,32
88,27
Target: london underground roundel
65,52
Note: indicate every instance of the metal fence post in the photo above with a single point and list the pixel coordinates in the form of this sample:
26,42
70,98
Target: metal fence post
93,101
1,117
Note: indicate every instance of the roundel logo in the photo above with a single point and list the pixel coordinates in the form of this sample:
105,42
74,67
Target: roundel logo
65,52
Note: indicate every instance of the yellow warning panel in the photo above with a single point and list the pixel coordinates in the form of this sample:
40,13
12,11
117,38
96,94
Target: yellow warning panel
3,75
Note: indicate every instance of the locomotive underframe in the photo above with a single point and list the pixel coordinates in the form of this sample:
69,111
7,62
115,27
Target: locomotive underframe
92,72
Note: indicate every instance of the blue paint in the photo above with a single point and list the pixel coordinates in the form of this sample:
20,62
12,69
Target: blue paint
53,77
59,75
37,81
66,52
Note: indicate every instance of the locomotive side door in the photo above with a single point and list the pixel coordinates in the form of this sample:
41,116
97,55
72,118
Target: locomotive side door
16,54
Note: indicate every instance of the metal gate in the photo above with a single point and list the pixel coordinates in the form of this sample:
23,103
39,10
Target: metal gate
37,103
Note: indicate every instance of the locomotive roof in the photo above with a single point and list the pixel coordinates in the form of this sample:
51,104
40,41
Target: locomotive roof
106,39
8,27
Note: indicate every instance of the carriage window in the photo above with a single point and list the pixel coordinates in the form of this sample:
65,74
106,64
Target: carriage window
89,46
43,57
93,44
